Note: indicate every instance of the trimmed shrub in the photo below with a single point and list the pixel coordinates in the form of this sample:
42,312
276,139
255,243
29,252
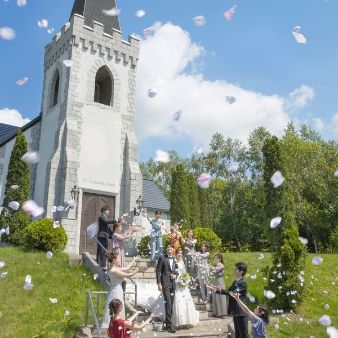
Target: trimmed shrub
207,235
41,235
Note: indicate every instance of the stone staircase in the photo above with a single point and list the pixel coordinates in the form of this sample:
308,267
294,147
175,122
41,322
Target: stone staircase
209,326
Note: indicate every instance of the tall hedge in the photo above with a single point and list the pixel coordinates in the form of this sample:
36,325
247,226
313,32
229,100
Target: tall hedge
284,277
205,207
194,206
179,196
18,174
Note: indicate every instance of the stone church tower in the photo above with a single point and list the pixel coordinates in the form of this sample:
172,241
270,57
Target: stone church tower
87,127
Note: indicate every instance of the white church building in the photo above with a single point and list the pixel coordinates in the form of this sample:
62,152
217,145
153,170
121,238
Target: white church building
85,132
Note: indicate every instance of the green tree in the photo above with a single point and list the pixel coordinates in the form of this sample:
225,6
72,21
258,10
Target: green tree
205,207
179,196
18,175
287,251
194,206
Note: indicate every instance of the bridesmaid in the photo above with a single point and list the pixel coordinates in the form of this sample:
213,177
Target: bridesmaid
119,239
203,273
175,236
219,302
116,275
189,247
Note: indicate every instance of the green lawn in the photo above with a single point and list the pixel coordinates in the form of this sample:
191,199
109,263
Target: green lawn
30,314
323,291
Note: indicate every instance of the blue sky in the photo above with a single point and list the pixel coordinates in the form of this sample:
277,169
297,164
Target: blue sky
255,50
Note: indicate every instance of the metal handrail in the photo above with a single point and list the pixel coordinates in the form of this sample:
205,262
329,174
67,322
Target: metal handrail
91,303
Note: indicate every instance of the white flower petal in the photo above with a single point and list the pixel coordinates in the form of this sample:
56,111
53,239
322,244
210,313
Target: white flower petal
275,222
277,179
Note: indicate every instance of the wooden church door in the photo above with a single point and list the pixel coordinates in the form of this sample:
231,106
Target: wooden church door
91,206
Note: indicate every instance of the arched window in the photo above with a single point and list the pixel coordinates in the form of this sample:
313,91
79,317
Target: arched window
103,86
55,89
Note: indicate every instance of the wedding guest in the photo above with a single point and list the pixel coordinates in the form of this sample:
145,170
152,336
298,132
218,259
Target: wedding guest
156,236
184,313
116,275
104,234
219,302
175,236
239,285
120,328
203,273
119,239
189,247
259,319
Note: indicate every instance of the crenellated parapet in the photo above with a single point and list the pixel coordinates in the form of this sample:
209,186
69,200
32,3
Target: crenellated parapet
76,35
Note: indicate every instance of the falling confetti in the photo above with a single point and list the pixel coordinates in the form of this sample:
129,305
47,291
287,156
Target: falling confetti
199,20
204,180
325,320
229,14
66,313
300,38
4,275
317,260
31,208
43,23
67,63
261,256
251,298
275,222
269,294
111,12
53,300
95,276
332,332
336,173
7,33
56,224
177,115
60,208
14,186
22,82
230,99
152,92
49,254
14,205
28,286
2,264
303,240
50,30
31,157
234,167
91,230
140,13
277,179
21,3
162,156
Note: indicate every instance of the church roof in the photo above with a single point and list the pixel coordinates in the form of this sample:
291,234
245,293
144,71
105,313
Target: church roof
153,197
6,131
93,10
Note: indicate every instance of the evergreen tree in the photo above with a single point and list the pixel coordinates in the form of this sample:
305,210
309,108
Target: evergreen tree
17,175
205,207
194,206
179,196
284,276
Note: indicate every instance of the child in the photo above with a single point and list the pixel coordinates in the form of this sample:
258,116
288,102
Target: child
258,319
238,285
156,236
120,328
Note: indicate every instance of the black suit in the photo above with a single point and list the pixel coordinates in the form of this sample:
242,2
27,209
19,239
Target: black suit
163,272
103,234
240,318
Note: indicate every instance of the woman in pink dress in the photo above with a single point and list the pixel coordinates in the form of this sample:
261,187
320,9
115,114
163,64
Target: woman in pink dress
119,239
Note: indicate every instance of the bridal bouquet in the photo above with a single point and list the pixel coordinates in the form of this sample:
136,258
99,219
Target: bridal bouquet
184,279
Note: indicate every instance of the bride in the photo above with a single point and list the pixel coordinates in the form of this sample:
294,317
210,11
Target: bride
184,312
150,299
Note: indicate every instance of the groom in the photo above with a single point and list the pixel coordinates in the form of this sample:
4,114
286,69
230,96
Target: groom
166,273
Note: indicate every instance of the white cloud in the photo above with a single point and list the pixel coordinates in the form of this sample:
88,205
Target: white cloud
164,59
12,117
300,97
318,124
334,124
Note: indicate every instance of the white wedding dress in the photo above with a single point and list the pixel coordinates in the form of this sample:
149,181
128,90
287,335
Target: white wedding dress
184,311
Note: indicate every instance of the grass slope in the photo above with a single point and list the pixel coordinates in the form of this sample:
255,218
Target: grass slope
320,289
30,313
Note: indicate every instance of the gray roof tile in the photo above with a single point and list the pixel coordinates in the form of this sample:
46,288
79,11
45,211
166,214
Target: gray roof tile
153,197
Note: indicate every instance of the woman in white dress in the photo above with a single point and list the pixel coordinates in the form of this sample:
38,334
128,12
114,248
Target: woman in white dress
184,312
116,275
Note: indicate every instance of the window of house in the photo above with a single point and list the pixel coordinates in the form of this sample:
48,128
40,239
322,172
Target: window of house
103,86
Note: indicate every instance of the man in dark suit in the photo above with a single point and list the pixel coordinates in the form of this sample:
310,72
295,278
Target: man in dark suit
166,273
104,234
239,285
